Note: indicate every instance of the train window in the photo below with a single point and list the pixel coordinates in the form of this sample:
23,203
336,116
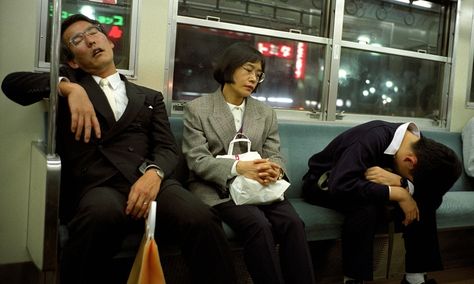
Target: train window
360,60
418,26
118,17
284,15
389,85
293,68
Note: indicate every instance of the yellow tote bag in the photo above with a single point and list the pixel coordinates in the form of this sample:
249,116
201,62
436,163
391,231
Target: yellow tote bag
146,268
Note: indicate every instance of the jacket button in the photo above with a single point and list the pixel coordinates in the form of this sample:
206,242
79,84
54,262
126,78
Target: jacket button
131,149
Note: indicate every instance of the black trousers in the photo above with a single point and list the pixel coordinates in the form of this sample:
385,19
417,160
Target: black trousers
100,224
362,219
261,228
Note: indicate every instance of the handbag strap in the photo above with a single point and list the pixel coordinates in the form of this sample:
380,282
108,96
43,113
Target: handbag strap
242,138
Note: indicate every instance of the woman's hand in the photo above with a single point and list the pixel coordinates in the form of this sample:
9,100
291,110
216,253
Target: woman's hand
261,170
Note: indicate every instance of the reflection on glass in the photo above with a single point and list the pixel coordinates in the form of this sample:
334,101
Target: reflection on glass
278,15
395,23
293,71
372,83
114,16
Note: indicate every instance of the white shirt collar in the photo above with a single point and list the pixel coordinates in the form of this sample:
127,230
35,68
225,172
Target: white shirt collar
398,137
241,106
397,141
114,80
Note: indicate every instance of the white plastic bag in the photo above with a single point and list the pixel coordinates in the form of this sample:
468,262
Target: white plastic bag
248,191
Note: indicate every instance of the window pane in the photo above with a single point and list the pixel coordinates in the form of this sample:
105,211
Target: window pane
372,83
395,24
114,17
293,69
278,15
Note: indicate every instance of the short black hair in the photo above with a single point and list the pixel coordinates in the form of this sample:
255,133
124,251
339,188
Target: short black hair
66,54
233,57
437,168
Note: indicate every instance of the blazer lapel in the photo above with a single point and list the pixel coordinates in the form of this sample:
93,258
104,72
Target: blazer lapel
222,120
98,99
136,101
253,126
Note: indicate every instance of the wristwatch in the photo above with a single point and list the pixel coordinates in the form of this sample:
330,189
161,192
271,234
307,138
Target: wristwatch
145,166
282,174
404,183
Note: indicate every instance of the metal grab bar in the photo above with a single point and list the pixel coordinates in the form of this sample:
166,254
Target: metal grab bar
45,173
54,73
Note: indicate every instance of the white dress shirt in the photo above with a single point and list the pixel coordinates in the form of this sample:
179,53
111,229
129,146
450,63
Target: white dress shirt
120,94
238,113
397,141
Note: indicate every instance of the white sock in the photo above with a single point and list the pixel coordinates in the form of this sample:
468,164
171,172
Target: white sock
415,278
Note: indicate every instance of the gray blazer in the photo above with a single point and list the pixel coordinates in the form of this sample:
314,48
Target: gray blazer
209,127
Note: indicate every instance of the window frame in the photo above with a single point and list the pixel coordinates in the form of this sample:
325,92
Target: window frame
470,73
334,44
41,65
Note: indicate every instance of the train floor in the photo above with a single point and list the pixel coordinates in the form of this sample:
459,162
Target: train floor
457,249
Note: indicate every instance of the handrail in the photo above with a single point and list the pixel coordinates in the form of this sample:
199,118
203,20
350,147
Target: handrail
54,73
45,177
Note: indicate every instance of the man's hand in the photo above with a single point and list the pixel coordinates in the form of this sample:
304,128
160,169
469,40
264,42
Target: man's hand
382,176
83,117
410,209
261,170
142,193
407,204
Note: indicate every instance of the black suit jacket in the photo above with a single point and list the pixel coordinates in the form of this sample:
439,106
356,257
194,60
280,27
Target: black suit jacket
141,136
350,154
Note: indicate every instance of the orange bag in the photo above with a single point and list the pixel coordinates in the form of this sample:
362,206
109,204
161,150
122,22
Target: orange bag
147,268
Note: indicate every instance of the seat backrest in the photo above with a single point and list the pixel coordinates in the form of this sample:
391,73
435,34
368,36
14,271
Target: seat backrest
454,141
299,141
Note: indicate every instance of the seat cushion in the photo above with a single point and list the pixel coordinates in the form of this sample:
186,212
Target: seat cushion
320,223
457,210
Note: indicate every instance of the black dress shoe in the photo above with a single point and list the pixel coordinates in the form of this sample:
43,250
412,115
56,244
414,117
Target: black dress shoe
427,281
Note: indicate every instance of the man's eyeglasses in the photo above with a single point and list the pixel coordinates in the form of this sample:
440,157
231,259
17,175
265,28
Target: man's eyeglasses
79,37
260,76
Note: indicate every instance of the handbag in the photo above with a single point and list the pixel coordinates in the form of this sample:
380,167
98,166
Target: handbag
147,268
244,190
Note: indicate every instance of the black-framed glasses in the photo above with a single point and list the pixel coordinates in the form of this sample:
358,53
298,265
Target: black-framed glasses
260,76
79,37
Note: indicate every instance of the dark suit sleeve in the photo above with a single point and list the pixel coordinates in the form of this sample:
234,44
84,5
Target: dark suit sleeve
26,88
348,173
164,151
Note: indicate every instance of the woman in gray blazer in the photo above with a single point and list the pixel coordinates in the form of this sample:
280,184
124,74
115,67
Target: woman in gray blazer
210,123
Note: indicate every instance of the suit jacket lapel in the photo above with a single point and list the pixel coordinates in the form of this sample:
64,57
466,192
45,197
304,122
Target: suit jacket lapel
98,99
136,101
253,127
222,120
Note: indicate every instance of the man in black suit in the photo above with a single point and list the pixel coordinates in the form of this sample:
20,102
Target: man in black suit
365,168
118,155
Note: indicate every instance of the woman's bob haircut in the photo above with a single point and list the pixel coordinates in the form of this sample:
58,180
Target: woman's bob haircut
233,57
